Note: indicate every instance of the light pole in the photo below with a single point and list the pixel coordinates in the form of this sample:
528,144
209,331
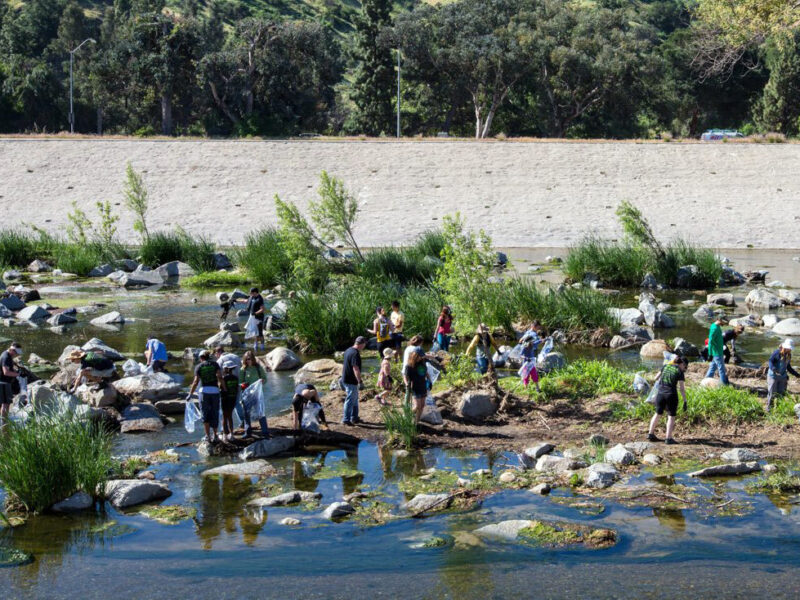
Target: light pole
71,59
398,91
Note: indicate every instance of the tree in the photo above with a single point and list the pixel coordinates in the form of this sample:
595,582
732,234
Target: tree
336,212
135,195
373,88
778,109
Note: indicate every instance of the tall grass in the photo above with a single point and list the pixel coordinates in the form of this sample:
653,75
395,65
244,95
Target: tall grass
430,243
265,257
48,459
619,264
17,248
400,424
402,265
167,246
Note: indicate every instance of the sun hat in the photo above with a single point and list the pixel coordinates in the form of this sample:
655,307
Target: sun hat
787,344
388,353
76,354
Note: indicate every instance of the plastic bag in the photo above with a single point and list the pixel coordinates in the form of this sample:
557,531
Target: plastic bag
310,420
669,356
429,401
433,373
191,415
131,368
651,397
640,385
548,346
435,348
251,328
526,369
252,399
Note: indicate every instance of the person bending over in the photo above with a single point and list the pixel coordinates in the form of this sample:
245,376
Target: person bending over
93,367
670,382
306,393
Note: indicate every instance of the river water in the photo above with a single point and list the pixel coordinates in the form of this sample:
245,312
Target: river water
230,550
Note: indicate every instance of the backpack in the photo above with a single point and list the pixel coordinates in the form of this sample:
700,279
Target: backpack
383,328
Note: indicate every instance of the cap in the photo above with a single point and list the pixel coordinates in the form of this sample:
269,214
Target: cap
360,340
788,344
388,353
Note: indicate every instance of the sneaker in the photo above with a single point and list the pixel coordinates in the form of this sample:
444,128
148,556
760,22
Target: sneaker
652,438
356,420
670,441
348,423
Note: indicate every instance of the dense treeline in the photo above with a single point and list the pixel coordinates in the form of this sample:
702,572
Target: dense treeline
602,68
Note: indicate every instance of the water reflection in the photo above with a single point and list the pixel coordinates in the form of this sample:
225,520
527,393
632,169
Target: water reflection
671,518
222,509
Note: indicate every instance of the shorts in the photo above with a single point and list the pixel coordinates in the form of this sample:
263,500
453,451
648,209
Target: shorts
209,406
397,339
6,394
668,402
390,343
158,366
228,404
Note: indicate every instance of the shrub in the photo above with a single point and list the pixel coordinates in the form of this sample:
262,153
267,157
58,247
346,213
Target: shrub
48,459
17,248
198,253
400,423
779,482
613,263
430,243
265,257
402,265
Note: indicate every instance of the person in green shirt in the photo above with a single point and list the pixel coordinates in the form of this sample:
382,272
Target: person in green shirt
669,382
716,351
250,372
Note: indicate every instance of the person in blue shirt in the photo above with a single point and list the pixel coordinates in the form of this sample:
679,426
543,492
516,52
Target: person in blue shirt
779,368
156,354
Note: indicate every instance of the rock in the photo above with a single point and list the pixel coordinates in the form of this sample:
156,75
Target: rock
789,296
175,269
557,464
286,498
12,303
598,439
663,307
425,502
684,348
5,313
739,455
507,477
705,312
139,278
104,396
601,475
338,510
127,264
150,386
618,342
476,405
146,475
797,410
431,415
115,276
39,266
11,275
488,472
542,489
729,469
688,302
227,339
221,261
282,359
123,493
101,271
78,501
635,333
140,417
654,349
33,313
289,521
776,283
63,360
111,318
730,276
233,327
627,316
538,450
638,448
552,362
654,317
268,447
649,282
620,455
97,345
710,382
323,370
747,321
505,530
279,309
253,468
171,407
651,460
789,326
686,276
61,319
770,321
721,299
770,468
762,299
47,400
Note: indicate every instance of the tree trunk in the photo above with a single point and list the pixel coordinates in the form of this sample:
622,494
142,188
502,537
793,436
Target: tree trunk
99,121
166,114
248,100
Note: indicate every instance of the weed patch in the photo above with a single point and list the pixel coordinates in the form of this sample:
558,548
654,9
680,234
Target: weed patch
170,515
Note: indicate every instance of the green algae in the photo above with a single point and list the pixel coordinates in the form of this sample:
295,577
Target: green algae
171,514
560,535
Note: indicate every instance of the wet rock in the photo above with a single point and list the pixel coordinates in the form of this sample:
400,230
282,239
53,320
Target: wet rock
228,339
97,345
141,417
705,312
651,460
601,475
663,307
101,397
38,266
789,326
289,521
175,269
476,405
139,278
426,502
321,371
770,321
538,450
686,276
763,299
556,464
338,510
61,319
268,447
552,362
627,316
221,261
505,530
618,342
729,469
282,359
542,489
789,296
253,468
739,455
721,299
747,321
33,313
171,407
638,448
127,264
11,275
684,348
150,386
637,333
101,271
507,477
620,455
654,349
654,317
287,498
649,282
111,318
123,493
78,501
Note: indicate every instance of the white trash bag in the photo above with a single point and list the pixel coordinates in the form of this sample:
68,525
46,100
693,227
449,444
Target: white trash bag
251,328
651,397
669,356
310,421
131,368
640,385
191,415
252,399
548,346
433,373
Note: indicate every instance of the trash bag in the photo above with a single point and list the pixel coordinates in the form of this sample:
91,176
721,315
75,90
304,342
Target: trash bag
435,348
526,369
191,414
310,421
640,385
252,400
131,368
651,397
433,373
429,401
548,346
515,353
669,356
251,328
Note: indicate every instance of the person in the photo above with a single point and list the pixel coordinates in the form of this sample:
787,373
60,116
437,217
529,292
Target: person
779,369
483,342
528,371
534,332
382,329
230,393
93,367
227,357
670,381
415,376
351,378
444,327
255,308
414,344
9,373
716,351
155,352
385,376
304,394
398,321
250,372
729,335
208,376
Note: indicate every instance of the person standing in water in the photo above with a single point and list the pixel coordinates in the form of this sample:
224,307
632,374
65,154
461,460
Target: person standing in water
208,376
255,308
250,373
670,382
230,393
9,372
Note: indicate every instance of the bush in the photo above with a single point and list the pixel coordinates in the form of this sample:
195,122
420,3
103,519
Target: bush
613,263
19,249
430,243
48,459
167,246
401,425
402,265
265,258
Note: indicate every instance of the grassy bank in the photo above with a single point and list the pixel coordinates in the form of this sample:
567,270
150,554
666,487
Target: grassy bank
579,380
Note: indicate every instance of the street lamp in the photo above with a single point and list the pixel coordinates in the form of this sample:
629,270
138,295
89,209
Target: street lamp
71,59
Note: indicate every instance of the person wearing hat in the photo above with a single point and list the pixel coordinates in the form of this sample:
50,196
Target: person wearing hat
208,376
351,379
93,367
716,350
229,396
779,369
9,372
415,376
483,342
385,376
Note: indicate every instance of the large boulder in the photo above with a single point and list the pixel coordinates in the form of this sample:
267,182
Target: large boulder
253,468
654,349
654,317
33,313
78,501
100,397
64,360
127,264
686,276
600,475
268,447
228,339
175,270
787,327
140,278
279,309
538,450
39,266
770,320
111,318
705,312
649,282
431,415
221,261
141,417
742,468
61,319
552,362
98,345
320,371
739,455
627,316
476,405
763,299
12,302
789,296
101,271
171,407
620,455
730,276
123,493
47,400
282,359
150,386
505,530
721,299
747,321
556,464
684,347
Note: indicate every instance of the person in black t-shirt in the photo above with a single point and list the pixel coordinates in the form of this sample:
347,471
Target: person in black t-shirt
93,367
255,308
208,376
669,382
351,379
9,372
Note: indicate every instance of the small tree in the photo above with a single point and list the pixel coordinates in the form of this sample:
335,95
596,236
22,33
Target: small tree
638,229
107,230
135,194
304,248
336,212
79,228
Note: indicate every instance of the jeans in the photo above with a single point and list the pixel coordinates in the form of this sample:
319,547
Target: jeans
776,386
483,364
244,416
444,341
209,406
350,402
718,364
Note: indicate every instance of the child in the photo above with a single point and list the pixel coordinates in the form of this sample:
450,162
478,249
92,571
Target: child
528,371
385,376
230,393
